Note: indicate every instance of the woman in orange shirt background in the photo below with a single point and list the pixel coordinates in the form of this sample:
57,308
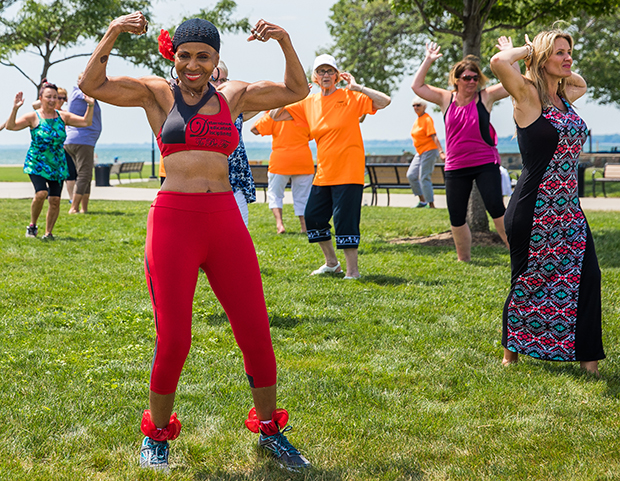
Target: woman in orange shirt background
428,150
290,160
333,118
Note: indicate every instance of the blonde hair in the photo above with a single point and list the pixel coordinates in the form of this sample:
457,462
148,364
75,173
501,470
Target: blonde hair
544,45
62,91
471,62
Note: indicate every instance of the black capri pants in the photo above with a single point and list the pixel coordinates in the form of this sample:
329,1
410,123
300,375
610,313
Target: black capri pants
459,183
344,203
52,187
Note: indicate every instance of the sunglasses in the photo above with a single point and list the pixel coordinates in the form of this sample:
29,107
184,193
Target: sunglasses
323,72
417,105
62,98
469,78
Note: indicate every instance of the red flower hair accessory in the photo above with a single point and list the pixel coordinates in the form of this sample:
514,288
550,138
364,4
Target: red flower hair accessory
165,45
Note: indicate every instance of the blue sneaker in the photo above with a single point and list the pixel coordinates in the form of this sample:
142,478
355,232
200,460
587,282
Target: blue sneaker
154,454
284,453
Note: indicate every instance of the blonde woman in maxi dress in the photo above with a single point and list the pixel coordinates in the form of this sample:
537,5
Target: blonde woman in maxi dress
553,311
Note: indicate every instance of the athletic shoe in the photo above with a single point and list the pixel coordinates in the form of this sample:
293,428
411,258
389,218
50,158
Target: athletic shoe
48,237
325,269
421,205
32,230
154,454
285,454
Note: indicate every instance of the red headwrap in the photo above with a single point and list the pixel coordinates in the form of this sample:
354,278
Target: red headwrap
165,45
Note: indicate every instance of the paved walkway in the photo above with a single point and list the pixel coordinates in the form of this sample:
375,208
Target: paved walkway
23,190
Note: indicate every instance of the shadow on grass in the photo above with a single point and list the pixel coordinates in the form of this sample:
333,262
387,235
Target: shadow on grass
612,379
281,321
268,471
607,248
112,212
381,280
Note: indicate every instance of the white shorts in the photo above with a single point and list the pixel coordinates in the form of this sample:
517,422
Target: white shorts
300,187
243,206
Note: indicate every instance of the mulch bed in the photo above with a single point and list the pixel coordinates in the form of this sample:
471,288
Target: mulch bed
445,239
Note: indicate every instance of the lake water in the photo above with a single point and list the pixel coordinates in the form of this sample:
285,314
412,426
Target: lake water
14,155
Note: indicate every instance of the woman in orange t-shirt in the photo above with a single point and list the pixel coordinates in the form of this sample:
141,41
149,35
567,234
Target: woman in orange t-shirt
290,161
333,118
428,150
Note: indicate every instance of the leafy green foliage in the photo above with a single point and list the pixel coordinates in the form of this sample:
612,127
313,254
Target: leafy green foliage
46,28
597,55
372,42
49,29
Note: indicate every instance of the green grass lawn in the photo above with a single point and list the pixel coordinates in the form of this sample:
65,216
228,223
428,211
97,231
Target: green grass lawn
393,377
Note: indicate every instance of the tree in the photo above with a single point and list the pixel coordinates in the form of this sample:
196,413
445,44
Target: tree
51,30
468,20
597,55
372,42
45,28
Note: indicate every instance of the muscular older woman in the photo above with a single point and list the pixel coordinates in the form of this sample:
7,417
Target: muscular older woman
194,222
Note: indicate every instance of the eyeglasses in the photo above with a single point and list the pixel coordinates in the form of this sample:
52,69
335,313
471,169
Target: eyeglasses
62,98
469,78
417,105
322,72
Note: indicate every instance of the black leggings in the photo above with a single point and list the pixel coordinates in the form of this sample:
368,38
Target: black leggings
41,183
459,183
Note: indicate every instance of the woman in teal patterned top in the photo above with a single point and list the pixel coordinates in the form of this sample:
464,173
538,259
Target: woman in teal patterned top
45,161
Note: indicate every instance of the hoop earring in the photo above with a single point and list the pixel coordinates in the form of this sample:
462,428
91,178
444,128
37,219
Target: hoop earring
172,74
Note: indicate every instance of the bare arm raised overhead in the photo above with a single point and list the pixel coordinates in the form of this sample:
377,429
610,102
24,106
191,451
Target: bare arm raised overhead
433,94
125,91
265,95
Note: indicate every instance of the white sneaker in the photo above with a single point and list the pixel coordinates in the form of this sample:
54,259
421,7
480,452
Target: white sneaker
154,455
325,269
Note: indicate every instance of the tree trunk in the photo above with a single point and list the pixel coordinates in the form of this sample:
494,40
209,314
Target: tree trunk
476,213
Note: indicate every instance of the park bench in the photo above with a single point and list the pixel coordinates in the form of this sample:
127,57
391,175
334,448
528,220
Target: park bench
261,181
611,173
126,168
394,176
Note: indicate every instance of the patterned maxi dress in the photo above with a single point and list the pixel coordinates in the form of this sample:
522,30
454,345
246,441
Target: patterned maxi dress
553,311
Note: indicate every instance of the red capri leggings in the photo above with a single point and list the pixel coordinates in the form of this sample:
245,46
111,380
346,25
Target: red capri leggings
188,231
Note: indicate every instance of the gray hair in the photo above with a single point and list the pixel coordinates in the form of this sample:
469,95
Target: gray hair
418,100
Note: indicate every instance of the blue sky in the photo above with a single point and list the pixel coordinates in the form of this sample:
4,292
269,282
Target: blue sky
306,23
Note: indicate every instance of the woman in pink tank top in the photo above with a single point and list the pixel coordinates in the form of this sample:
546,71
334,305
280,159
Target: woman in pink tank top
471,152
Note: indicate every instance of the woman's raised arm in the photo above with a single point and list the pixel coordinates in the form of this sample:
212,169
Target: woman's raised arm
503,66
120,91
28,120
436,95
77,121
265,95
